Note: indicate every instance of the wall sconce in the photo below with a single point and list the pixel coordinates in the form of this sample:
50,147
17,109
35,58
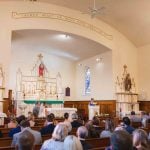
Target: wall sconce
80,65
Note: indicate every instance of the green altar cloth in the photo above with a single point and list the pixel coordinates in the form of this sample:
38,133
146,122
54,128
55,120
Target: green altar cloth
46,101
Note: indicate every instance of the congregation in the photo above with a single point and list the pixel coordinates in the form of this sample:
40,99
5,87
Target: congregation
63,134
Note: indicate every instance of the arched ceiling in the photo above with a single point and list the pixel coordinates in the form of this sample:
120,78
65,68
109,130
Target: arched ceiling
130,17
70,46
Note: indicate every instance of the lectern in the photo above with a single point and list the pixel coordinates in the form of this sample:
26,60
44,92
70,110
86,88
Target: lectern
93,110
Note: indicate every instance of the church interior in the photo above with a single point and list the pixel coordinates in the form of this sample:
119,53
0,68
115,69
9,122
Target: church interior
87,61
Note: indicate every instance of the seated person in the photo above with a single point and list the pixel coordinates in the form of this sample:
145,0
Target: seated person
140,140
144,119
31,120
25,125
18,128
25,141
82,133
72,143
109,127
49,125
128,128
134,117
13,123
96,124
120,140
92,132
57,140
67,122
75,123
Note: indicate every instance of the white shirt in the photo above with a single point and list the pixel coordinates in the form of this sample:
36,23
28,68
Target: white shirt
52,145
105,133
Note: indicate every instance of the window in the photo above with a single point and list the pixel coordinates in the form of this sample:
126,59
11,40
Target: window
87,81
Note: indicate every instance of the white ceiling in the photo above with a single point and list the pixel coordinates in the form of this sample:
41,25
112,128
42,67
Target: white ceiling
130,17
72,47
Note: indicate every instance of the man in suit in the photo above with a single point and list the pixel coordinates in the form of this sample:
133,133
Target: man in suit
75,122
25,141
25,125
18,128
49,125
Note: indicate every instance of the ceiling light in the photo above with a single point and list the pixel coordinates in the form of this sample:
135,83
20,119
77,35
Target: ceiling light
63,37
98,60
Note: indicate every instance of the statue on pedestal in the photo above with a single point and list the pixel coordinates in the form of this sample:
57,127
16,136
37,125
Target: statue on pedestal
127,83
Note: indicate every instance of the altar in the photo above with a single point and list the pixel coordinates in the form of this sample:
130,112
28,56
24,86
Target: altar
25,106
53,106
37,86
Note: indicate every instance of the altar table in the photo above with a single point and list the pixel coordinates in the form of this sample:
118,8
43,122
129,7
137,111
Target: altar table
42,101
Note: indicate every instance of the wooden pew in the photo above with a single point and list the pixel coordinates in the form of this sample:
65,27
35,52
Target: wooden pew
46,137
37,128
98,148
98,142
5,131
36,147
5,142
136,124
7,148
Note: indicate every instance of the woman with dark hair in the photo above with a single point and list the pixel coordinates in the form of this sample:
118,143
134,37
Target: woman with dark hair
48,125
67,122
126,122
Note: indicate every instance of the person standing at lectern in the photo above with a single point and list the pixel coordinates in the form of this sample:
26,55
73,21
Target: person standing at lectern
92,102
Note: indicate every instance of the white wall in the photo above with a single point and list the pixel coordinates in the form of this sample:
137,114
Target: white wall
123,51
101,77
26,58
144,72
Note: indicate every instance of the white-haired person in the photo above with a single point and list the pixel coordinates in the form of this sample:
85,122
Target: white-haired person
82,134
140,140
109,127
72,143
57,140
